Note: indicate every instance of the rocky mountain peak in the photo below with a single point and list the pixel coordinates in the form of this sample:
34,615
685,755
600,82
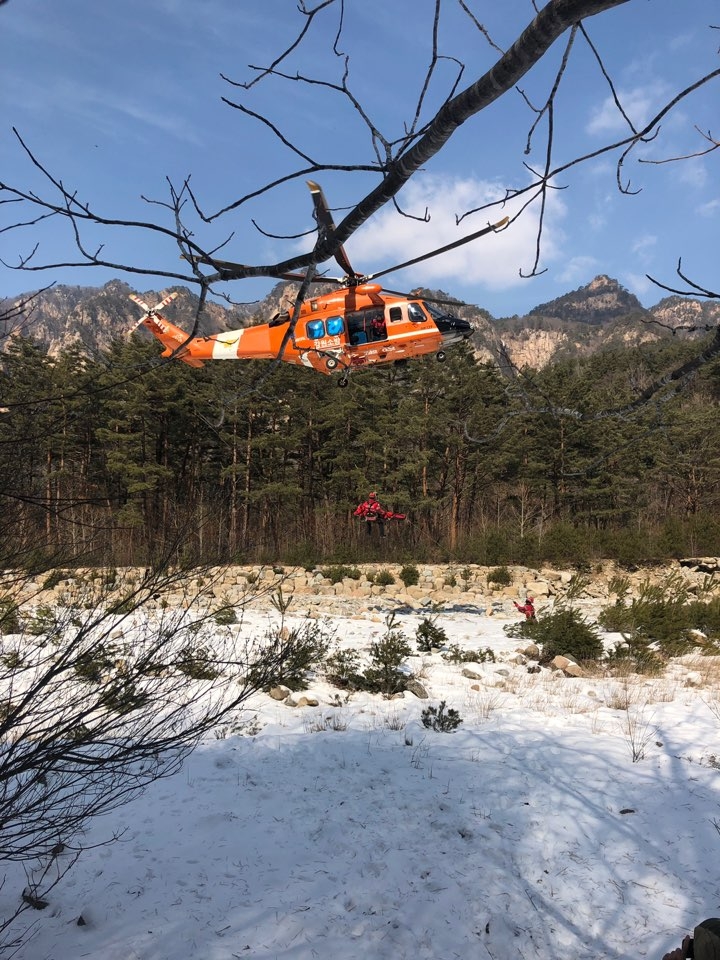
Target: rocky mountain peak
600,301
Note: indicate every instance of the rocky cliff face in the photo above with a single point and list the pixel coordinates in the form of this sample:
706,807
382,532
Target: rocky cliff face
598,315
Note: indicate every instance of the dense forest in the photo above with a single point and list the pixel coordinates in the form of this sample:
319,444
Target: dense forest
120,457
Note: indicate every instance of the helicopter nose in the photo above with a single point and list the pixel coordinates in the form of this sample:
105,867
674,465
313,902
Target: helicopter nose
454,329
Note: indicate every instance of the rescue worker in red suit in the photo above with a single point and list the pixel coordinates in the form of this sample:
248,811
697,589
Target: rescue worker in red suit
371,511
528,608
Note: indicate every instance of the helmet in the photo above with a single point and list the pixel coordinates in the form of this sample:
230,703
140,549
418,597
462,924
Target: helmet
531,599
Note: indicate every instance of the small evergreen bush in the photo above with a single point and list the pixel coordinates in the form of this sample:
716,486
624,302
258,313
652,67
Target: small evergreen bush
665,615
9,616
383,578
225,616
636,654
387,655
12,660
564,632
53,579
455,654
410,575
44,621
123,697
341,572
499,577
197,663
429,635
92,665
440,719
342,669
294,653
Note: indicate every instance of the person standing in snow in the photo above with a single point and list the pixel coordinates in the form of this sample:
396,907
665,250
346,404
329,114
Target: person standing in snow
528,608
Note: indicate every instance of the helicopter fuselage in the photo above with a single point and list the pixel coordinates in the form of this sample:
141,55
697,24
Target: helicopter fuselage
352,327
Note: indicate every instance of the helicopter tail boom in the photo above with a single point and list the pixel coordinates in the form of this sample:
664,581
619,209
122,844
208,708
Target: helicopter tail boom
171,337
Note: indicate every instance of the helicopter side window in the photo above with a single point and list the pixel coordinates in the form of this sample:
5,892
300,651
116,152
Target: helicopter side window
415,313
334,326
356,328
395,314
315,330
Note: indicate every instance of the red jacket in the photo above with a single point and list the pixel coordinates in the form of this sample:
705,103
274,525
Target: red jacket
371,510
528,608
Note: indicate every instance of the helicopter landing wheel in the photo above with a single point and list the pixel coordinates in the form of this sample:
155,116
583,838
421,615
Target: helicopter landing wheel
343,382
441,356
331,363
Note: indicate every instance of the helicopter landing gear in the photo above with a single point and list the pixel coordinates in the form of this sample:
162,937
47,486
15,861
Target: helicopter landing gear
343,381
331,363
441,356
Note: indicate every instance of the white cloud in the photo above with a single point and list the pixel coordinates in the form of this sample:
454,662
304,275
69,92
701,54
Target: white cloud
579,270
111,112
644,246
638,105
694,173
638,284
493,261
709,209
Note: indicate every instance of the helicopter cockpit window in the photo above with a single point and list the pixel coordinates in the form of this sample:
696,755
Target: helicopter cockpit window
334,326
434,312
315,330
415,313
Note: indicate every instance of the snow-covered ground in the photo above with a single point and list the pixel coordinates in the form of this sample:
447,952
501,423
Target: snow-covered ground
349,830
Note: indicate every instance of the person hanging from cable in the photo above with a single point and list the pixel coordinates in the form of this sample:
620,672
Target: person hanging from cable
374,514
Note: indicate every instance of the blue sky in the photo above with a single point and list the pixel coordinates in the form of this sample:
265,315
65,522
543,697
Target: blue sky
116,98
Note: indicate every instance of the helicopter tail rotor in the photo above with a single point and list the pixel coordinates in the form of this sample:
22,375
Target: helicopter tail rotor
150,311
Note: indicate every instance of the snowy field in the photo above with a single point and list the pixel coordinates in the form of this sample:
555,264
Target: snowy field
349,830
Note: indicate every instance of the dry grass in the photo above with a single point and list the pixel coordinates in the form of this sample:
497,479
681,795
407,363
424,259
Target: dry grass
708,668
598,723
484,702
327,721
713,702
394,721
663,691
623,693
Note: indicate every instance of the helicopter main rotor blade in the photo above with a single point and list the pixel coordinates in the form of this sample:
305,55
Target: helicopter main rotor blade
421,296
490,228
326,226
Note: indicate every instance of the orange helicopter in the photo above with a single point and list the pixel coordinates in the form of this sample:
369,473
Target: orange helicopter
358,325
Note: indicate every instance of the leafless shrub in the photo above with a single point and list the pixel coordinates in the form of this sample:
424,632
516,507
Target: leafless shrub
638,729
112,693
